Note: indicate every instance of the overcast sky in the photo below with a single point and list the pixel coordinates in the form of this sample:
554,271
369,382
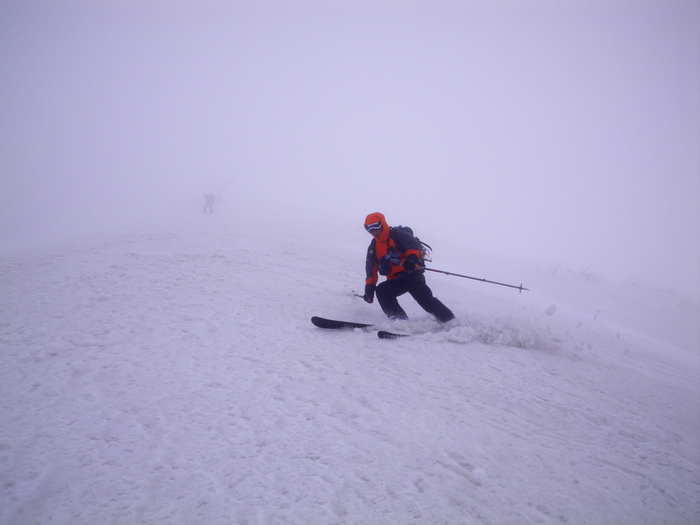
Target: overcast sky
561,132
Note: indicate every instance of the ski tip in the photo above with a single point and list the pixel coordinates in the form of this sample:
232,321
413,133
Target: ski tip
382,334
322,322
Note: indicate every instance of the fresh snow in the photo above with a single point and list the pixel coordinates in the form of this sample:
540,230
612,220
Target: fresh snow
170,374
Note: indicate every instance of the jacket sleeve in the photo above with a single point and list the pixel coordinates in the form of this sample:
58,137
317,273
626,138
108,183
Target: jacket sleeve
371,269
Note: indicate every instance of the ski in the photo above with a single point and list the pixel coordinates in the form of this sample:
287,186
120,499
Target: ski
333,324
383,334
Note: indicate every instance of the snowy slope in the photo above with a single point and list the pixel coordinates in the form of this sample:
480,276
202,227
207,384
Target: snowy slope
170,374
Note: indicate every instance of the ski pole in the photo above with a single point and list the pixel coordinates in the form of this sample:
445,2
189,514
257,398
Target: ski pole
478,279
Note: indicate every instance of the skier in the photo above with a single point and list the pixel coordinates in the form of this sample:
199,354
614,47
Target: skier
209,202
395,253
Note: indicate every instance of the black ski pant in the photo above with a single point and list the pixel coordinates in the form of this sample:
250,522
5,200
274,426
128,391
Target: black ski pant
413,283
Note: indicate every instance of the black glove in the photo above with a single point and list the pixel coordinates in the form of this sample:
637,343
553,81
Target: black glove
369,293
411,262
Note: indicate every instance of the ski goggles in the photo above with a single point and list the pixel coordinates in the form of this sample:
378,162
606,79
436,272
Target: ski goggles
374,227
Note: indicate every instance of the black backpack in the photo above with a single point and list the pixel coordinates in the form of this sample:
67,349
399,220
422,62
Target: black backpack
425,249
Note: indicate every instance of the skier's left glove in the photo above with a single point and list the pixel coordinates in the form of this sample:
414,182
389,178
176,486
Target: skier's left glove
369,293
411,262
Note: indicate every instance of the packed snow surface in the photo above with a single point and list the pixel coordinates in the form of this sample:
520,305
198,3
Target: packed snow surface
171,374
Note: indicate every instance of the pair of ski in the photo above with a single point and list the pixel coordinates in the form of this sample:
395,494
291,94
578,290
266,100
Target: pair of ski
332,324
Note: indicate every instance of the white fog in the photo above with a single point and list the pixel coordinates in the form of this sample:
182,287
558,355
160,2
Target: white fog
560,133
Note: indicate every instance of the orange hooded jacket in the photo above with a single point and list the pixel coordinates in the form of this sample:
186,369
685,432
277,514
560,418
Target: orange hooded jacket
388,250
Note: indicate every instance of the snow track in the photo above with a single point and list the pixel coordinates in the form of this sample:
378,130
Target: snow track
173,376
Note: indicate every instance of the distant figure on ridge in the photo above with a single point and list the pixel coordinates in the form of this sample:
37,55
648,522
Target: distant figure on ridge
209,202
395,253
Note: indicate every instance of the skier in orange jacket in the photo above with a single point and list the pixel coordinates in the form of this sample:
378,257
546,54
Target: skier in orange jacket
395,253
